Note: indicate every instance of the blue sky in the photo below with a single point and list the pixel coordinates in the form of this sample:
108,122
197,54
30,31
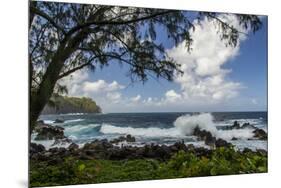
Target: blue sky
220,79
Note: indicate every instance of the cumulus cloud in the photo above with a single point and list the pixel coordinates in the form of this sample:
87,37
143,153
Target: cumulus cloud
172,96
136,99
204,76
101,86
205,80
80,84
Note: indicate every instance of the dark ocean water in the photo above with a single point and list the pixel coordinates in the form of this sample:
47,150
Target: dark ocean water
161,128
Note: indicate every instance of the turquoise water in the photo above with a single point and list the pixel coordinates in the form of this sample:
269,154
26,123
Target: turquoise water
160,128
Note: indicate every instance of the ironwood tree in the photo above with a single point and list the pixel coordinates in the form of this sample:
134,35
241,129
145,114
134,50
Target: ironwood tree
66,37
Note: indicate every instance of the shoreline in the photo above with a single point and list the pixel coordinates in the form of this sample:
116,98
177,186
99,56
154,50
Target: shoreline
102,161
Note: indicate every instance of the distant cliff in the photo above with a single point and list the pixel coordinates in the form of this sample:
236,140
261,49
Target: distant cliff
63,105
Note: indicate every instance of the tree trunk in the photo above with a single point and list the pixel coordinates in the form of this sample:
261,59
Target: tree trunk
51,76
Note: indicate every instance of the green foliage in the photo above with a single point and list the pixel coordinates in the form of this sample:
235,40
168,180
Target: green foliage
127,35
64,104
222,161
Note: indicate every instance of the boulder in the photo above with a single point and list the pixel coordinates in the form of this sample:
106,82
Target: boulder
130,138
247,126
48,132
63,141
127,138
201,151
260,134
235,125
98,145
36,148
222,143
73,147
204,135
180,146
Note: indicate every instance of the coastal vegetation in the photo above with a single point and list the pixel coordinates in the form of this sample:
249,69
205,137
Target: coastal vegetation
63,104
221,161
65,38
118,159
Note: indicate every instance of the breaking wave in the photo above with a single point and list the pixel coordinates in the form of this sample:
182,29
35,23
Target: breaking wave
183,126
78,129
205,121
142,132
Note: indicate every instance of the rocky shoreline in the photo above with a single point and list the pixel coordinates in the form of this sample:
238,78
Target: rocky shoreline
104,149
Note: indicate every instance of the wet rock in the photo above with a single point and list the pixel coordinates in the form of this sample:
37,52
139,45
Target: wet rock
130,138
204,135
247,126
222,143
235,125
260,134
63,141
127,138
48,132
59,121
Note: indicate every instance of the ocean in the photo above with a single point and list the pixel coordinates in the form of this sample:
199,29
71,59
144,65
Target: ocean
159,128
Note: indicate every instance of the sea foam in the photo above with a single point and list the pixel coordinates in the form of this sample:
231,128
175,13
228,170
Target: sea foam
205,121
183,126
142,132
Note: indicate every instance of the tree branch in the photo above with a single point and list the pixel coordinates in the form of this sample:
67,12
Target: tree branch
109,22
76,68
47,17
225,24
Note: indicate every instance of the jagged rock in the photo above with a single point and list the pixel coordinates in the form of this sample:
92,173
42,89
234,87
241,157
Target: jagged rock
260,134
73,146
128,138
235,125
59,121
222,143
247,126
63,141
204,135
48,132
98,145
180,146
36,148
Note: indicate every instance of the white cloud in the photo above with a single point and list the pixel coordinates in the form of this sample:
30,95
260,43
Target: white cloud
136,99
114,97
205,78
103,92
172,96
101,86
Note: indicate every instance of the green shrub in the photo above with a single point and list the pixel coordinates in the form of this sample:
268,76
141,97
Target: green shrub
222,161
